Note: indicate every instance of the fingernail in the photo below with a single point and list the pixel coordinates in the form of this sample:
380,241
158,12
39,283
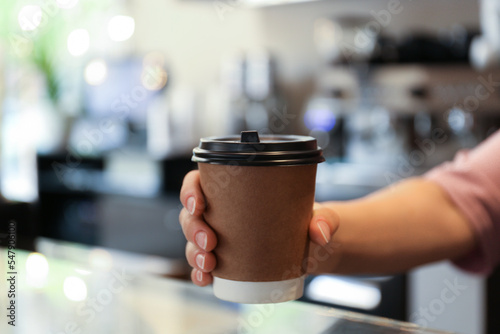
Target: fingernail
201,240
191,205
199,276
325,230
200,261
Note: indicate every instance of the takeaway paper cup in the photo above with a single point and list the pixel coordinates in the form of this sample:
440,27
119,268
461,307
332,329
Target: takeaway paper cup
259,194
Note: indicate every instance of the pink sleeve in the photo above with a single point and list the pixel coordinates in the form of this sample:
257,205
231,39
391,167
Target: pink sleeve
473,182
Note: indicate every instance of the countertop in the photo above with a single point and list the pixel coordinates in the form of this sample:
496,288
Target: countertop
55,294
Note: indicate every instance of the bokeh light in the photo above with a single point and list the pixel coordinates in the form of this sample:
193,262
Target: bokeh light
37,270
37,265
78,42
30,17
344,291
96,72
75,289
154,78
121,28
320,119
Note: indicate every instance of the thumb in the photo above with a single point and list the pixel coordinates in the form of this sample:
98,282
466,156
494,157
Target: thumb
324,224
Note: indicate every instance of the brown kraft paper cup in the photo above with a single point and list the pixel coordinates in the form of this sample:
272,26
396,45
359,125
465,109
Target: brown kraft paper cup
259,199
261,217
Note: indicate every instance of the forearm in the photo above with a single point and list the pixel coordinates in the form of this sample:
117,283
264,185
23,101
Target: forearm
395,229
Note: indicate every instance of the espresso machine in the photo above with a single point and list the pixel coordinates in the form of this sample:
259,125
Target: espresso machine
387,103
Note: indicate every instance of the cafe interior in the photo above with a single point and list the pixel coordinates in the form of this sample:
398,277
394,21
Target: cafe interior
102,103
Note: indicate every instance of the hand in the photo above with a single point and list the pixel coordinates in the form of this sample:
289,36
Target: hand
202,239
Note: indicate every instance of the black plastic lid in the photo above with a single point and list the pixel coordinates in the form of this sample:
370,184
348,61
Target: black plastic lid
250,150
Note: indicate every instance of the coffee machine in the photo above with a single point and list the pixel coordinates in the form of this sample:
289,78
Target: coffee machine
385,102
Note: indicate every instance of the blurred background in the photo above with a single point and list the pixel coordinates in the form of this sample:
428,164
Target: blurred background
101,103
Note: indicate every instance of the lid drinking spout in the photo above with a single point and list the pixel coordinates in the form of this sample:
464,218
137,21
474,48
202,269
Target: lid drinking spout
250,137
